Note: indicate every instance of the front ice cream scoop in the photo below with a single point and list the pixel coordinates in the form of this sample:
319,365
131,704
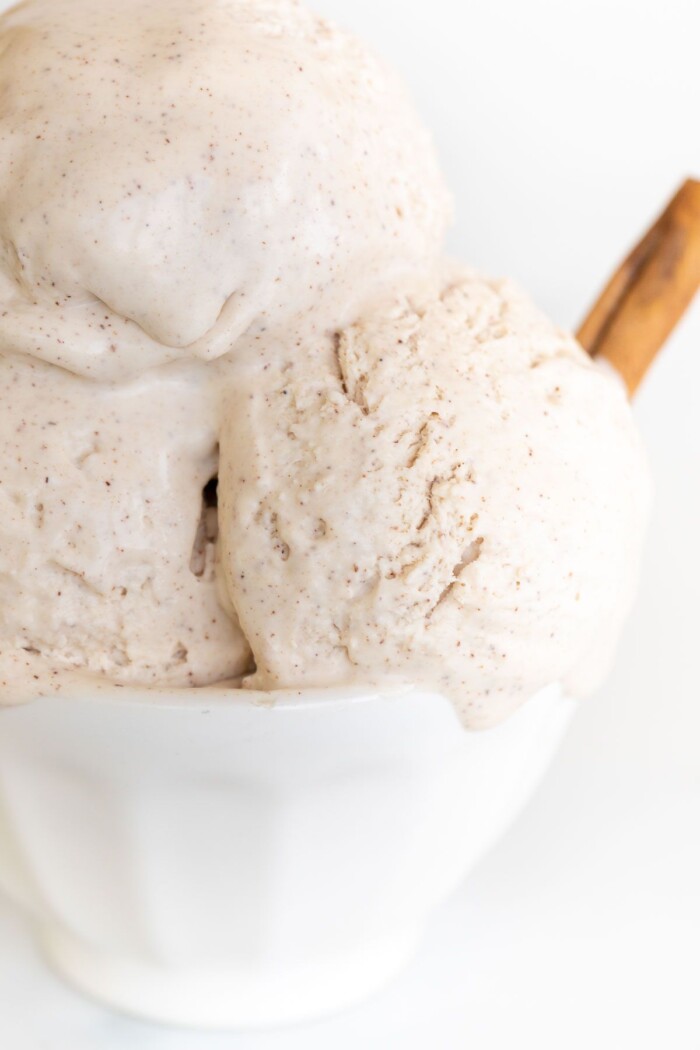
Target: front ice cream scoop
178,171
450,492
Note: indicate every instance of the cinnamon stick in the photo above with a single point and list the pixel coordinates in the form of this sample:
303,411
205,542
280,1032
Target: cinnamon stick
649,293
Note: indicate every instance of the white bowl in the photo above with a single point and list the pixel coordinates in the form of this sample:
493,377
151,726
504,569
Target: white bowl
206,859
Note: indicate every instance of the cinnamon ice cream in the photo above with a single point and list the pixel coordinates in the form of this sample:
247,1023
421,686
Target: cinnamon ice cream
252,429
172,175
104,565
447,492
176,172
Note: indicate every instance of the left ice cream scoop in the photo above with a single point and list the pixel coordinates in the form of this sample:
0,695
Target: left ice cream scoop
103,565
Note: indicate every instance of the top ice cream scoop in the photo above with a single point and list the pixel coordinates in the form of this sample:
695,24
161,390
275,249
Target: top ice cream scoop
175,172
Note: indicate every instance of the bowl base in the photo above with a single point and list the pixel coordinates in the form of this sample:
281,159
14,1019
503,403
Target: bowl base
228,999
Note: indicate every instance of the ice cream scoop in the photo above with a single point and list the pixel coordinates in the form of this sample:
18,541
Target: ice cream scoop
253,432
448,492
106,561
178,171
220,235
172,175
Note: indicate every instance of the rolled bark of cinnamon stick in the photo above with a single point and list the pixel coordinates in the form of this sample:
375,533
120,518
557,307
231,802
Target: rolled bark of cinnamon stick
648,294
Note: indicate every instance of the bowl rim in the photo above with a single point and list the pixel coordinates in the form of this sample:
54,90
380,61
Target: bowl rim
82,687
225,696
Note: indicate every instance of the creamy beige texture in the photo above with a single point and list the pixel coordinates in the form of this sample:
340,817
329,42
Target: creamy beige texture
176,171
100,499
451,493
218,225
171,174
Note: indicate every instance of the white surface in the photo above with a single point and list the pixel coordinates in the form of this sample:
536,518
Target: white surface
562,128
203,860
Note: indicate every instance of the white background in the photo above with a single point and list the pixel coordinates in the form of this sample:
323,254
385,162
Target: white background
563,127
